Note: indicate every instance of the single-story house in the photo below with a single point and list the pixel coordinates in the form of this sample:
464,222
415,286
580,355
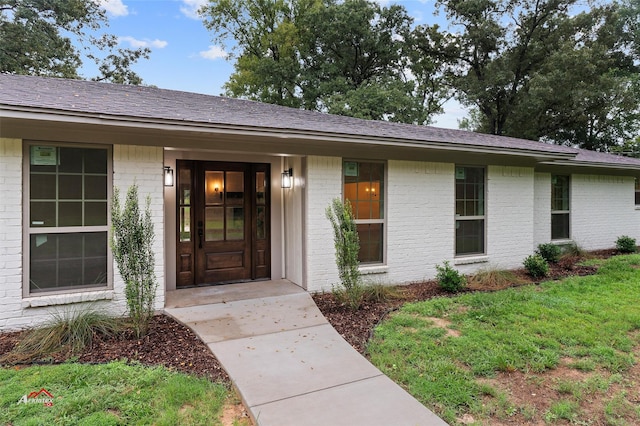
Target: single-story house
239,190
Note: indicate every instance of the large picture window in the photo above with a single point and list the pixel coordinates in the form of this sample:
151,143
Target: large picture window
560,207
67,221
364,188
470,210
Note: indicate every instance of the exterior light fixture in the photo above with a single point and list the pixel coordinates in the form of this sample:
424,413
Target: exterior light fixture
168,176
287,178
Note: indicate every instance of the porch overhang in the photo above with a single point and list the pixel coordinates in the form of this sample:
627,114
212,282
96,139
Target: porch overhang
41,124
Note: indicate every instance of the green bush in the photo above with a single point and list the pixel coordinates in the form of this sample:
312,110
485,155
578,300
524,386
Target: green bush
536,266
626,244
450,279
549,252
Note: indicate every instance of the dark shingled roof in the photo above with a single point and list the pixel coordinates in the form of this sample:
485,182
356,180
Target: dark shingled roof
169,106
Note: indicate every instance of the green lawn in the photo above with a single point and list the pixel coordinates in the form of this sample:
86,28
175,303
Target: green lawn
109,394
588,325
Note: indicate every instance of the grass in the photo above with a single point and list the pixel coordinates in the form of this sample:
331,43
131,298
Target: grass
110,394
591,320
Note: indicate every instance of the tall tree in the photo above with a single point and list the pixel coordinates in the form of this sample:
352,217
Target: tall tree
541,70
345,58
266,46
33,40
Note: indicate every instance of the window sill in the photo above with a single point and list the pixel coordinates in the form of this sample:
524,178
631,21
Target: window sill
471,260
374,269
66,299
637,207
562,242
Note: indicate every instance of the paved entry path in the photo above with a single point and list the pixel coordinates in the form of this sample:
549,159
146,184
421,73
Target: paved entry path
288,363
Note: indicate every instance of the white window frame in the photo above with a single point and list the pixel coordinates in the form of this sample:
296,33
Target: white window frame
27,231
559,212
383,220
466,218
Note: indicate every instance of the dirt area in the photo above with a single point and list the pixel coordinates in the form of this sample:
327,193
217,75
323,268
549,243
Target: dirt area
171,344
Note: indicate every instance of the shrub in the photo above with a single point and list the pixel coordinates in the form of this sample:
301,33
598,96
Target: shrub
536,266
450,279
71,331
549,252
347,244
626,244
132,244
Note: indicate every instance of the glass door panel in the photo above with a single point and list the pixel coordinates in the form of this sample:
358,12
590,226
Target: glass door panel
235,187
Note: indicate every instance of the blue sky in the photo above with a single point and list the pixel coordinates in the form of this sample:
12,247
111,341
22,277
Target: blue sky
185,58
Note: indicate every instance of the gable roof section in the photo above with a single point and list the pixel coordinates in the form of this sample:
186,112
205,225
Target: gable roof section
22,96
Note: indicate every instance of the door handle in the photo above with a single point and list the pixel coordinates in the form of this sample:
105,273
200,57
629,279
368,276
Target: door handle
200,234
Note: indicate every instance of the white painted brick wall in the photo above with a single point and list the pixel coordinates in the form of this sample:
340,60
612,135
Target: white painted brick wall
140,164
602,209
11,234
420,220
510,204
323,184
144,166
542,209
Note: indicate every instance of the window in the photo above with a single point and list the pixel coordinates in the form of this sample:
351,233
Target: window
560,207
470,206
637,192
364,188
67,220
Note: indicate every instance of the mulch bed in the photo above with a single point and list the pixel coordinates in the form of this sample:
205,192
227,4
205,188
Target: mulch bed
175,346
168,343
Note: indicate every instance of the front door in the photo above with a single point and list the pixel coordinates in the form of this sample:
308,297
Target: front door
223,222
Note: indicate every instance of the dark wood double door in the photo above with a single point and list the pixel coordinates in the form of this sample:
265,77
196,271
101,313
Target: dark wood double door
223,222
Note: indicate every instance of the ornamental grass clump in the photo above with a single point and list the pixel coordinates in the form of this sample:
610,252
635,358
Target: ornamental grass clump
347,244
67,331
132,239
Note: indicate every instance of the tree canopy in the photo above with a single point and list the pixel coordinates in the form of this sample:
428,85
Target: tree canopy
544,70
548,70
346,58
35,40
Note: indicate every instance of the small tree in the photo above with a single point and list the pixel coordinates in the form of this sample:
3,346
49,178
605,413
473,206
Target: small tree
347,244
131,241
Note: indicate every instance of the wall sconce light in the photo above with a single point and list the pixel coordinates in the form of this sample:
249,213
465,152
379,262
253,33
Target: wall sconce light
168,176
287,177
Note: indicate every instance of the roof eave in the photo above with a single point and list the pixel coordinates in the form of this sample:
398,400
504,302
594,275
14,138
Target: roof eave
592,165
49,114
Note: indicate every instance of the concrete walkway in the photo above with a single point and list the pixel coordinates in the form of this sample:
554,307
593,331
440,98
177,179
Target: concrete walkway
287,362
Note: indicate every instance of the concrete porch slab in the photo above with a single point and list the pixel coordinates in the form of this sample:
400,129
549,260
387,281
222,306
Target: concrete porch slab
246,318
197,296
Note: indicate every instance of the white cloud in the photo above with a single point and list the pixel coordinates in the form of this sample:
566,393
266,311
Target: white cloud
214,52
135,43
190,8
114,7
